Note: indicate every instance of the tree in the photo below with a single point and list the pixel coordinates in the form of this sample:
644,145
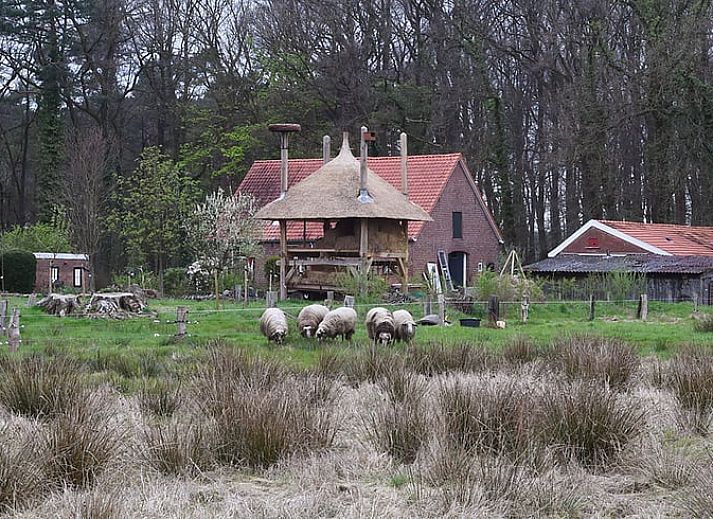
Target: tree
151,205
222,230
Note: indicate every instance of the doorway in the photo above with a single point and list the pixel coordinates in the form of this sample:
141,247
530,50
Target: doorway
458,267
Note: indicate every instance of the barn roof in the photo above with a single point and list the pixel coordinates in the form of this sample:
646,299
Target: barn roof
641,263
332,192
656,238
427,177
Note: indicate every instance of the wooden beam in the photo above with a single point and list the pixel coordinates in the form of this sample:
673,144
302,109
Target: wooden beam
325,262
283,259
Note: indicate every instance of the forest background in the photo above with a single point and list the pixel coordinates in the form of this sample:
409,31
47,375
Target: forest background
565,111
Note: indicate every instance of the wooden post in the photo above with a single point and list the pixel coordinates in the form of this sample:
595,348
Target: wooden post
245,293
591,307
3,317
13,331
31,300
181,314
271,298
363,252
493,309
283,260
428,307
695,303
442,308
525,309
330,296
349,301
642,311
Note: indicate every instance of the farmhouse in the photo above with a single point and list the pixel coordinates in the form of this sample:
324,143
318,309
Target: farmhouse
66,270
676,260
455,220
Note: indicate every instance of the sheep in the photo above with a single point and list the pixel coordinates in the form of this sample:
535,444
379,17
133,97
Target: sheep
405,326
309,318
273,325
341,321
380,325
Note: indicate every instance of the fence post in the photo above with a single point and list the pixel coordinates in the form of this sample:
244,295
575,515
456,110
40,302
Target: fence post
349,301
181,313
493,309
642,311
695,303
525,308
3,316
271,298
31,300
13,331
591,307
442,308
428,307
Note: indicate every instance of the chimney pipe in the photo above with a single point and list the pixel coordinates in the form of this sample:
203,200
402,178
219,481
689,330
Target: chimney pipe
326,148
284,130
364,196
404,163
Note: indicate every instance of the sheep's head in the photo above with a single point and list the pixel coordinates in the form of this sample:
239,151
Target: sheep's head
321,333
279,336
384,338
307,332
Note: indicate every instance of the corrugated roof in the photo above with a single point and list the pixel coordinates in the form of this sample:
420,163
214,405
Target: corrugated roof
60,256
642,263
679,240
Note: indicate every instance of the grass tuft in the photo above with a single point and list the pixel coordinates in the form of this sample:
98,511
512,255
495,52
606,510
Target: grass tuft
177,448
690,377
160,397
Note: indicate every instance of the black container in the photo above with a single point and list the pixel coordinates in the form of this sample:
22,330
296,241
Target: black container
470,322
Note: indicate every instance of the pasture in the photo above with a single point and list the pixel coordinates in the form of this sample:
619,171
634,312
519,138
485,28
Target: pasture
559,417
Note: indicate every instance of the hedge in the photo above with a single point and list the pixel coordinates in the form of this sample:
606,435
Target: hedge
19,267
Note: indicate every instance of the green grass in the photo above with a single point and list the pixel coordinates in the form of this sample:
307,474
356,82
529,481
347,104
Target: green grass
669,326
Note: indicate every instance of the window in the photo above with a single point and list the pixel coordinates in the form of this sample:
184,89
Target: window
54,274
457,225
77,276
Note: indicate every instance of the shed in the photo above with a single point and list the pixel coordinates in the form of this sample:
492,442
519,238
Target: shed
65,269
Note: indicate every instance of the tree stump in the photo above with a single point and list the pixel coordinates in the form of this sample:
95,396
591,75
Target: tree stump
115,305
61,305
13,331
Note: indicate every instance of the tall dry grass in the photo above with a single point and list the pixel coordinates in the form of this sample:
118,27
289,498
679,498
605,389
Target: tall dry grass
689,375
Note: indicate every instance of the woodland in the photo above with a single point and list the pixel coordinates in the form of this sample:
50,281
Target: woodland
564,110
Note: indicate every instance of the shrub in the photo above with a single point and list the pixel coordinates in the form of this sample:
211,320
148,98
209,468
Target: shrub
176,282
80,443
703,322
177,448
19,268
588,423
437,358
491,418
608,360
39,387
161,396
690,377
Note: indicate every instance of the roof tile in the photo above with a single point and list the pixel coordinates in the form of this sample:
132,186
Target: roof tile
679,240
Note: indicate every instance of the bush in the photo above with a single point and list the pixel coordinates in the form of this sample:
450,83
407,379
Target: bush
80,443
39,387
177,448
607,360
690,377
588,423
19,268
176,282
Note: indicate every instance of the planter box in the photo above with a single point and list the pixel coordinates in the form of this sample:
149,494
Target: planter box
470,322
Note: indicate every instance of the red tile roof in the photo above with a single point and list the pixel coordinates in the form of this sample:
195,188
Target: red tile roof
427,176
679,240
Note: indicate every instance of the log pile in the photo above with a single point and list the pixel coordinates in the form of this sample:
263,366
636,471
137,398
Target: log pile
62,305
115,305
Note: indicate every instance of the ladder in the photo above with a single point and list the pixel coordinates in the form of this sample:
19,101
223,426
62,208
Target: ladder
443,262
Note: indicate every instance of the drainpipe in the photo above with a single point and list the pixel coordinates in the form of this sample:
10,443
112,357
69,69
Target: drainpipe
326,148
404,163
364,196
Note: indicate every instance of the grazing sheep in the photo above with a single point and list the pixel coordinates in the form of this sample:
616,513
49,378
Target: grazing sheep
309,318
380,325
405,326
273,325
341,321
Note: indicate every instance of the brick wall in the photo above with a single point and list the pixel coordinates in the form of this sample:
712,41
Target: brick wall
66,274
596,241
479,242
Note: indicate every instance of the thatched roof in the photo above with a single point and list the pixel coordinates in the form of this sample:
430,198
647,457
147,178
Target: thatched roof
332,192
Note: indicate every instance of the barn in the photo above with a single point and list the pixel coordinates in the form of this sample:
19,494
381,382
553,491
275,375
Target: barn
460,223
676,260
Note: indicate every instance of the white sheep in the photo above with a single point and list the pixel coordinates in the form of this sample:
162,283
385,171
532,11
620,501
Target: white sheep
405,326
273,325
309,318
341,321
380,325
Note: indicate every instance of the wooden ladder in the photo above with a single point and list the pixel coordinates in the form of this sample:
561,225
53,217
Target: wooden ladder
443,262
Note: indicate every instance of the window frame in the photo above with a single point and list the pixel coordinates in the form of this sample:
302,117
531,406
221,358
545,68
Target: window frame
457,224
54,274
77,270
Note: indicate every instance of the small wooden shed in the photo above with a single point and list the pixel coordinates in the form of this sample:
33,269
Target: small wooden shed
364,218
